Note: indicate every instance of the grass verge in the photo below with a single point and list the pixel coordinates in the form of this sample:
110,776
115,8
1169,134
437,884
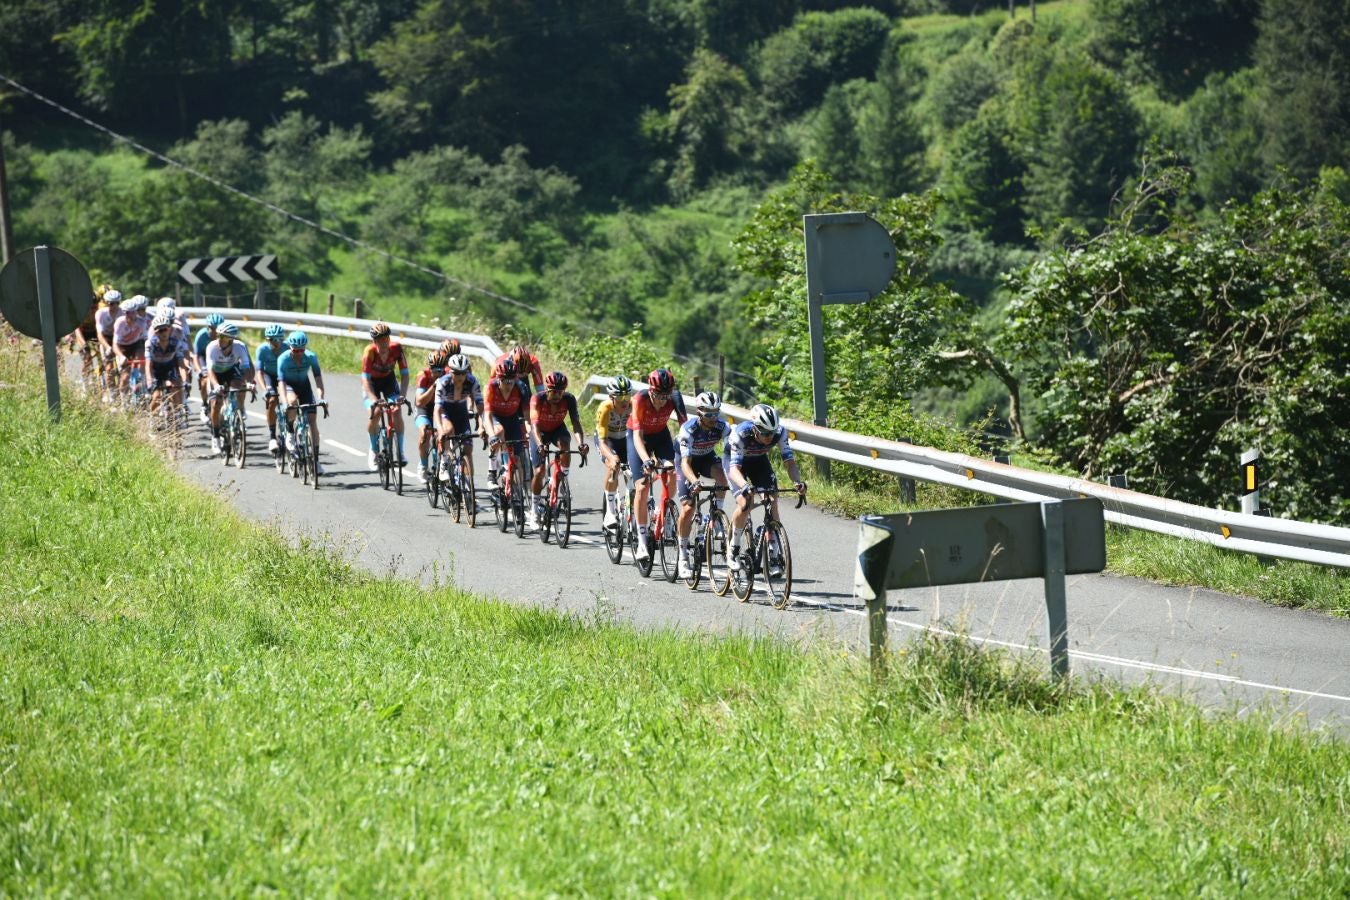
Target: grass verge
189,705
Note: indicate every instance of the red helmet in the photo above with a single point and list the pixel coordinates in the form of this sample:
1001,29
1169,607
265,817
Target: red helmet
556,381
450,346
661,381
506,368
521,355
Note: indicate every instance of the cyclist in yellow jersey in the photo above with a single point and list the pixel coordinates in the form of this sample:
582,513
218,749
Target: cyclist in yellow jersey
611,434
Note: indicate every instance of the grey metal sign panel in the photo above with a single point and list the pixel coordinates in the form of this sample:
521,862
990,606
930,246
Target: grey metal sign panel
984,543
71,292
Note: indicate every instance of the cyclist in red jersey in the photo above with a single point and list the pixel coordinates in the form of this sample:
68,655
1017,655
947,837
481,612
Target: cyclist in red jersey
381,358
649,440
549,411
505,402
527,366
423,398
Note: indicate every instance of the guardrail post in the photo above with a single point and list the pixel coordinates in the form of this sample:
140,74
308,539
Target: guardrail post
1052,517
1251,482
721,374
330,303
356,303
304,301
908,494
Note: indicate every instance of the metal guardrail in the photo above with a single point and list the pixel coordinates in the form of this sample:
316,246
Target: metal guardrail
1326,545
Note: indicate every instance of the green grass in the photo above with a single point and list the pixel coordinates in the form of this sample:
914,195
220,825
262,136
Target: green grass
190,706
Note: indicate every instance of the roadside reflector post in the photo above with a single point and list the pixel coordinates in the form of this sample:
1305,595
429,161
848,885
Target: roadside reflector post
1251,482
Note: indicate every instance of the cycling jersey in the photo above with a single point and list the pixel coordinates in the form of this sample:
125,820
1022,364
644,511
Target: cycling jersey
609,422
199,344
501,406
296,371
130,328
89,327
646,418
743,446
696,440
427,378
266,359
374,365
546,416
223,361
446,395
167,350
104,319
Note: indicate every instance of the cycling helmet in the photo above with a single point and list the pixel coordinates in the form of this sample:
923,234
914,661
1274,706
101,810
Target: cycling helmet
379,329
136,303
436,359
619,386
215,320
458,363
166,303
112,295
555,381
161,320
229,329
506,368
274,332
661,381
521,354
450,346
297,341
708,403
764,417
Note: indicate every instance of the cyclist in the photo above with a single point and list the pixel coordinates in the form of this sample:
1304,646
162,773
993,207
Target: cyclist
748,466
165,357
459,398
378,383
424,401
649,440
550,409
227,366
129,332
697,442
611,436
265,377
105,319
170,306
504,401
85,336
205,335
293,368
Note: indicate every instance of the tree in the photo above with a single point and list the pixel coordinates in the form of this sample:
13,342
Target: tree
889,138
797,65
706,125
982,181
835,138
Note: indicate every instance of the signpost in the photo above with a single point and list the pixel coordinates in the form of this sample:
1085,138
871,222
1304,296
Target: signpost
45,293
980,543
226,270
849,259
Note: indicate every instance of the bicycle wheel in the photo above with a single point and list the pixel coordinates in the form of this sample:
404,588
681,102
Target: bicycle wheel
397,467
670,544
431,478
282,453
697,537
382,456
715,552
776,559
545,522
562,516
466,493
239,437
301,463
614,537
313,457
743,577
520,494
454,497
499,508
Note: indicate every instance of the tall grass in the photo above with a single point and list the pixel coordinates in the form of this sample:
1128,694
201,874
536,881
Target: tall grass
188,705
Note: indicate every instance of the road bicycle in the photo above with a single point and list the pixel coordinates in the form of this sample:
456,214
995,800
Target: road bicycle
431,475
709,529
623,530
458,490
661,518
556,517
387,461
511,493
138,392
767,554
233,428
166,417
305,455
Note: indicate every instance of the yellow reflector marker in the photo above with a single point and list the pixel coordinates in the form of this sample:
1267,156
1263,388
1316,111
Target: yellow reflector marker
1227,532
1251,477
970,473
792,435
874,453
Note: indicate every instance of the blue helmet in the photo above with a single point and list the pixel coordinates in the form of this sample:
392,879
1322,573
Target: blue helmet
297,340
215,320
274,332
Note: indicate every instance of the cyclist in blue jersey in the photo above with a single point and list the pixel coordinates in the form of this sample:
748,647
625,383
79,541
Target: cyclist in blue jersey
697,442
204,336
748,466
293,370
265,376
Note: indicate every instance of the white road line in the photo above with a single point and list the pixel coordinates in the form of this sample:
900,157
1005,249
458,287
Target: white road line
352,450
1095,657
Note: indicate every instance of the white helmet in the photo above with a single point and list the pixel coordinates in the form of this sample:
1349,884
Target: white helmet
708,403
764,417
458,363
166,303
112,296
162,320
136,303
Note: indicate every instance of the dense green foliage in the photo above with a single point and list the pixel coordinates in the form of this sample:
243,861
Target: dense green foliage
582,168
239,716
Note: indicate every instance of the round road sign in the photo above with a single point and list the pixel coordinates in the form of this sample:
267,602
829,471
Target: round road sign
72,292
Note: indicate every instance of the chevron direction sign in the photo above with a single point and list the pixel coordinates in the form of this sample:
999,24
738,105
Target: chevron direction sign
224,269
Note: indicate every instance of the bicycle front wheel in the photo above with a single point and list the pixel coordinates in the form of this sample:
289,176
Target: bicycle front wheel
614,537
396,464
562,516
382,457
520,493
777,564
742,564
239,438
715,552
466,493
670,544
431,479
454,496
312,454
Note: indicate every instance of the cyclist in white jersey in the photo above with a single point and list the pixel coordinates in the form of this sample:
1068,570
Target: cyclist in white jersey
227,366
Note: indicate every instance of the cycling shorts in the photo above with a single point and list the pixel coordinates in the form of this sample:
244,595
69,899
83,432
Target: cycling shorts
303,390
559,436
758,472
165,372
619,446
704,466
457,414
659,446
132,351
386,388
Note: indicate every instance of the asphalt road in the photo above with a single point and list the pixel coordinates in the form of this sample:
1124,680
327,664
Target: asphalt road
1219,649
